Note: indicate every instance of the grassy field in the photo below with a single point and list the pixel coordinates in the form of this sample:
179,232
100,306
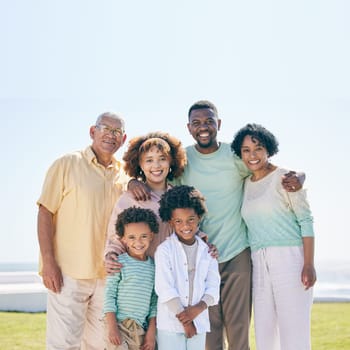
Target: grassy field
330,329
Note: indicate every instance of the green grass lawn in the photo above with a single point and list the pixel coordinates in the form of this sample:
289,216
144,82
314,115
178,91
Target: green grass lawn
330,329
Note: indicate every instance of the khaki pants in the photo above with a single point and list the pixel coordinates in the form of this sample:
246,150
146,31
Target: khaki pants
132,336
74,315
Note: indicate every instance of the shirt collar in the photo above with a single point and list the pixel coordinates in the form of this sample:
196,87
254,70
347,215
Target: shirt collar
91,157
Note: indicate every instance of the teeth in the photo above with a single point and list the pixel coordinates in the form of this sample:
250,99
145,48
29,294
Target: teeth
205,134
253,161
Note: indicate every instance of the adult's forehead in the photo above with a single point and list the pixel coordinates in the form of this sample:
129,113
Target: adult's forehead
110,121
202,113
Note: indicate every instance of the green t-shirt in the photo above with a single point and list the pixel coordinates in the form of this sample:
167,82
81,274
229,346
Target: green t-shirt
219,177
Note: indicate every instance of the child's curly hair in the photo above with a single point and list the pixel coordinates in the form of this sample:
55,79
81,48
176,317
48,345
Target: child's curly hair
180,197
134,215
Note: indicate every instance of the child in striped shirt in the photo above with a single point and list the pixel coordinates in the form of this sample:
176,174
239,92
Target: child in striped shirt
130,301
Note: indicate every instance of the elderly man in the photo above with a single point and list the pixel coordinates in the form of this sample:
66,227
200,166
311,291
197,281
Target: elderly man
77,198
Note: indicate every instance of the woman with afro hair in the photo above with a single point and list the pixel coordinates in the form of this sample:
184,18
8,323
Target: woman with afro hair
153,159
281,238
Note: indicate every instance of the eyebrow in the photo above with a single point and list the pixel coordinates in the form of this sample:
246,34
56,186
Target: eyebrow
111,127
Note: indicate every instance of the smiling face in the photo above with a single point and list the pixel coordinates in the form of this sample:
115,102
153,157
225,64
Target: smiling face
105,142
155,165
137,238
185,223
254,155
203,125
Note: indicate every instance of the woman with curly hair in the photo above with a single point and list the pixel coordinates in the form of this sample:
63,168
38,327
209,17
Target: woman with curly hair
153,159
281,239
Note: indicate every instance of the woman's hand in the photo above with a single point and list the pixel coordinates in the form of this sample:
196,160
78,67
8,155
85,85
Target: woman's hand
139,190
308,276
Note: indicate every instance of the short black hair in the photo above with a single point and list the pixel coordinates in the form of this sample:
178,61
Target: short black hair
258,133
181,197
134,215
203,104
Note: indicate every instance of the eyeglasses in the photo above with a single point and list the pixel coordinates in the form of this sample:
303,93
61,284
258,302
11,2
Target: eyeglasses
106,129
188,222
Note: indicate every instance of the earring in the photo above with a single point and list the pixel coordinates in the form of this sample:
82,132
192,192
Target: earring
170,170
141,172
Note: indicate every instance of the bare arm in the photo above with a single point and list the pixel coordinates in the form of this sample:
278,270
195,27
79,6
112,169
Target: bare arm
112,265
113,330
114,245
149,342
51,273
308,275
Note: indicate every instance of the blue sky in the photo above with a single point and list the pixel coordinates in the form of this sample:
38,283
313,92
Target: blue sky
278,63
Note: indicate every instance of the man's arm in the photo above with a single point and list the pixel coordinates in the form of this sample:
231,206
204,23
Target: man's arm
293,181
51,273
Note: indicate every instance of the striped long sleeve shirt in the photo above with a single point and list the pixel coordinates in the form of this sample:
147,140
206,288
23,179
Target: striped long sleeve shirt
130,293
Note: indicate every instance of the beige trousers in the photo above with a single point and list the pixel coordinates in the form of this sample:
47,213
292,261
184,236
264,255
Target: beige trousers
132,336
74,316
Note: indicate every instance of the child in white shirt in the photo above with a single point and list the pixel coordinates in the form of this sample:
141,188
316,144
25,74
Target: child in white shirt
187,278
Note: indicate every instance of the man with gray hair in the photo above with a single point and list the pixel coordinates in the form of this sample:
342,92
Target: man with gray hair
76,202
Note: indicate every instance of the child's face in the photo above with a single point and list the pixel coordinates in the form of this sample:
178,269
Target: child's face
137,238
185,223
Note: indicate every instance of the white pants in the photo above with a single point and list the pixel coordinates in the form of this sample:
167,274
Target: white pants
177,341
74,315
282,307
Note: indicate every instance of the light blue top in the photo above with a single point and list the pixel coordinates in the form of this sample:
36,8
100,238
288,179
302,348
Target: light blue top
130,293
275,217
219,177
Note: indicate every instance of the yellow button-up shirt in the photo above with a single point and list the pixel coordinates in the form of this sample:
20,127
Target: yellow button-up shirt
81,194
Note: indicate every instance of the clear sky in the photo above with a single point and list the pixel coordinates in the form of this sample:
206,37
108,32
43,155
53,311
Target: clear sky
283,64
